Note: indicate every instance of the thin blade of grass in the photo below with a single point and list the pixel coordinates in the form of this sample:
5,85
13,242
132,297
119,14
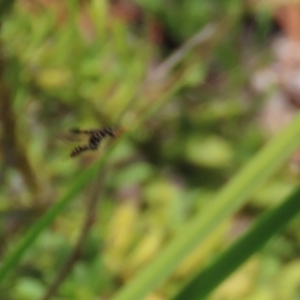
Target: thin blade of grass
228,201
14,257
263,229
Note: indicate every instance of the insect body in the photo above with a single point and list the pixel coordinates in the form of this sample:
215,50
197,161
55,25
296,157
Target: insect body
79,149
95,138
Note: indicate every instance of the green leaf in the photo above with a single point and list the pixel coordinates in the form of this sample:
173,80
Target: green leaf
258,235
228,201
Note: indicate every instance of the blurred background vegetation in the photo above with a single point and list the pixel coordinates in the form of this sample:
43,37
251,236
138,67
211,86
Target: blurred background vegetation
221,79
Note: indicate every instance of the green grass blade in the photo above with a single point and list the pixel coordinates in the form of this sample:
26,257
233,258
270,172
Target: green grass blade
11,261
263,229
230,198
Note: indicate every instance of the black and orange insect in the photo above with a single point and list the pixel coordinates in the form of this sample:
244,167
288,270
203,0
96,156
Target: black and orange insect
95,138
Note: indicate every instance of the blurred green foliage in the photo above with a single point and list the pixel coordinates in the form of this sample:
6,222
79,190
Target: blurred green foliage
77,65
184,18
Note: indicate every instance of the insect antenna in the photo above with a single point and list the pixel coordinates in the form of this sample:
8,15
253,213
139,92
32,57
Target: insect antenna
81,131
75,130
